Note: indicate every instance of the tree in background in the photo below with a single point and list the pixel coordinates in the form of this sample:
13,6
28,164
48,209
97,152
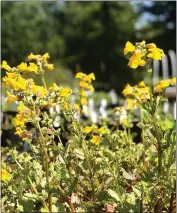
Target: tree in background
162,28
84,36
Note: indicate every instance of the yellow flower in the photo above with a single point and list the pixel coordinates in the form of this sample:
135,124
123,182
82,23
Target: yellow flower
83,84
129,47
31,56
82,93
164,84
23,66
32,68
11,98
91,76
39,91
130,104
21,84
5,175
54,87
135,61
173,81
155,53
19,131
23,109
151,45
12,75
83,101
158,88
76,107
90,87
128,90
65,92
95,139
101,130
19,120
45,57
50,66
87,129
80,75
5,66
142,84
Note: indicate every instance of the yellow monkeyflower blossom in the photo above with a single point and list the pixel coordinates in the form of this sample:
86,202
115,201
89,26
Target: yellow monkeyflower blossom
31,56
45,57
101,130
135,61
158,88
23,66
96,139
5,175
80,75
129,47
83,101
32,68
141,84
76,107
90,87
128,90
54,87
19,131
130,104
164,84
22,108
19,120
173,81
65,92
83,84
39,91
151,45
5,66
82,93
87,129
91,76
50,66
155,53
11,98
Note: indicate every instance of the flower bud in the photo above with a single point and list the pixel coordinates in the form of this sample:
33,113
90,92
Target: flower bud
151,45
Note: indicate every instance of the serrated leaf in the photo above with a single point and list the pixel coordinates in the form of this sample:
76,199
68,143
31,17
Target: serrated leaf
113,194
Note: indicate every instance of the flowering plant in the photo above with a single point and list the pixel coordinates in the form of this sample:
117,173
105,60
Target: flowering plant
93,167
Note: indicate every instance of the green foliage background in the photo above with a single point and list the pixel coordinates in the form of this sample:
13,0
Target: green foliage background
85,36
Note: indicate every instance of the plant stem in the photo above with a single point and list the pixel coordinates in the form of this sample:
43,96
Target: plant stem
46,163
172,199
159,146
43,81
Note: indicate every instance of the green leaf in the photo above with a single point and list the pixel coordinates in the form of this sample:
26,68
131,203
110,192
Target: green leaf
113,194
126,175
137,191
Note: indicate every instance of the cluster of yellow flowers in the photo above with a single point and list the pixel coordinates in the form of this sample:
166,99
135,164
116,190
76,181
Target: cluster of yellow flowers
97,133
139,92
163,84
139,53
85,84
42,61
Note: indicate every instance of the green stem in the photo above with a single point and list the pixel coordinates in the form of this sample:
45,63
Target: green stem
159,145
46,163
86,154
43,81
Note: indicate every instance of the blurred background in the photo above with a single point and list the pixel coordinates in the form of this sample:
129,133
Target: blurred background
84,37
